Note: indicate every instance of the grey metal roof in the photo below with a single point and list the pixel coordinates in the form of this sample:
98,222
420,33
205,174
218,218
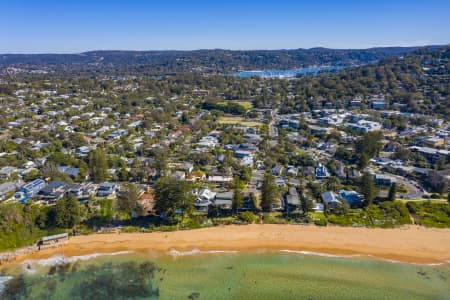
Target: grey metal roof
55,237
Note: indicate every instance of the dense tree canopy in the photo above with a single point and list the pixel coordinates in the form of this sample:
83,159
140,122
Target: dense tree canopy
128,199
98,165
171,195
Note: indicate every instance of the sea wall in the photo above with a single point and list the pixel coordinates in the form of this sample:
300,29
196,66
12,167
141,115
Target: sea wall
10,256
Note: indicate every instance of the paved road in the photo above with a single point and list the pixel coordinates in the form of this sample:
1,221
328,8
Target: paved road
273,130
414,189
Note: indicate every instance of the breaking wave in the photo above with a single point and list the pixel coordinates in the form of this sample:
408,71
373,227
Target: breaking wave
174,252
61,259
361,255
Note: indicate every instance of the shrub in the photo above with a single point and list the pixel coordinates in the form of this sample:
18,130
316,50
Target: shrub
321,222
430,214
191,223
247,217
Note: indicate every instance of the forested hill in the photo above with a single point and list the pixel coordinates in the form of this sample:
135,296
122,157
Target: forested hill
418,82
205,61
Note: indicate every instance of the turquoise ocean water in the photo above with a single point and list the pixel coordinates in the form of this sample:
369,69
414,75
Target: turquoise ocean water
222,275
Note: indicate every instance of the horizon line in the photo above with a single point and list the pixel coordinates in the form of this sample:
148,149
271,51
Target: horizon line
56,52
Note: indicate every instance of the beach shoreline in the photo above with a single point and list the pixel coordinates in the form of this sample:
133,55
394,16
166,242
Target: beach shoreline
408,244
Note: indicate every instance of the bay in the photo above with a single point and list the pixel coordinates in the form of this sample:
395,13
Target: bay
285,73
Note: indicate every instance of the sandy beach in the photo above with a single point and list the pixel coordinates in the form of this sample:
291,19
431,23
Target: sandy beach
407,244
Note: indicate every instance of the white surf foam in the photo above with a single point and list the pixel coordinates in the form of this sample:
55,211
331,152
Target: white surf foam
174,252
361,255
3,281
322,254
61,259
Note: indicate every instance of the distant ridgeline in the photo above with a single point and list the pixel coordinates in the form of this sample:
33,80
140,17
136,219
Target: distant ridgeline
215,61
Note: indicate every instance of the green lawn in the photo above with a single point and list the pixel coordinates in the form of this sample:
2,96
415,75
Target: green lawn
239,121
246,104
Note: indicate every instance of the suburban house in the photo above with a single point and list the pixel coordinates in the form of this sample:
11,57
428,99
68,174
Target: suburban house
7,172
440,179
242,153
292,171
186,167
292,200
431,154
384,180
318,207
247,161
179,175
355,103
364,126
107,189
83,191
224,200
279,181
322,172
82,151
204,199
71,171
7,189
220,179
29,190
206,195
208,142
277,170
377,103
331,199
195,176
351,197
54,191
308,172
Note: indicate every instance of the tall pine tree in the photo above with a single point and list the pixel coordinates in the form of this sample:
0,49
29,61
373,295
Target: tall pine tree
269,192
238,200
392,192
368,189
172,194
98,166
128,199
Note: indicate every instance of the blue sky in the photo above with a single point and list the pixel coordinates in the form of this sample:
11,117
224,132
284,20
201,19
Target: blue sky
68,26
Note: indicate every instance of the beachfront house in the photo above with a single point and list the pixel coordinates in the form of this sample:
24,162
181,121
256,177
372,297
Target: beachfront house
351,197
224,200
54,191
204,199
82,191
7,189
330,199
29,190
292,200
